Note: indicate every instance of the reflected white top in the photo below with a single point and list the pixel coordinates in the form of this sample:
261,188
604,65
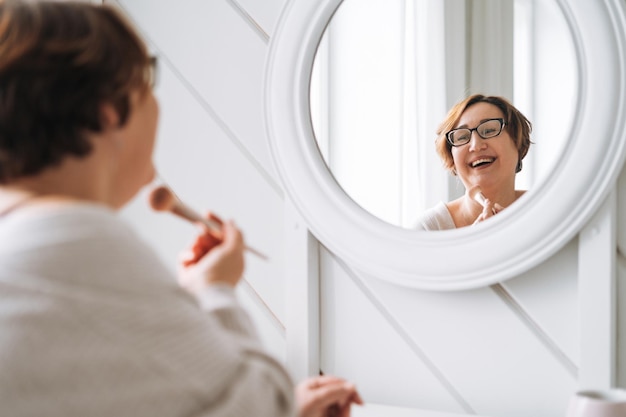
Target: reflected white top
437,217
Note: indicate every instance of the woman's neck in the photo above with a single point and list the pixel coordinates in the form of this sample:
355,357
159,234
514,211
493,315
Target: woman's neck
465,210
74,180
502,196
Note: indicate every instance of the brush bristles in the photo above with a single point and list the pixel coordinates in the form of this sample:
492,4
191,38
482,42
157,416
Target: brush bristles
476,195
162,199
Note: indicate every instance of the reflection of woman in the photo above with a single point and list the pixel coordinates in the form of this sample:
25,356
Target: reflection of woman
483,140
92,324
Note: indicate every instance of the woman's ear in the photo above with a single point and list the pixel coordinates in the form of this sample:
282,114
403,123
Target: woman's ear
110,125
109,116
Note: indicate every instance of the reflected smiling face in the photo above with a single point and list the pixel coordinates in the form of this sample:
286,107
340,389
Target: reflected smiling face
491,162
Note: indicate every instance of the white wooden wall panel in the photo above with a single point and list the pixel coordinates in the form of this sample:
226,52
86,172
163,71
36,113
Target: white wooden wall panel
302,291
210,98
213,49
359,342
548,294
264,13
621,213
596,280
621,318
271,330
505,351
621,279
216,176
473,340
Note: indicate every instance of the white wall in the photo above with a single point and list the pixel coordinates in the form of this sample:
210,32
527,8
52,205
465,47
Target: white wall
510,350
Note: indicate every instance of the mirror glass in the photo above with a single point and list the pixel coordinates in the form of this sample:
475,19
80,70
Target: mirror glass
386,72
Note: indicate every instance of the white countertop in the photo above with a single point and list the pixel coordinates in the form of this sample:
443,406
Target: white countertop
377,410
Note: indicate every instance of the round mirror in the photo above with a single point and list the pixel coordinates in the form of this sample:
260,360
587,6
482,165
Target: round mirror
386,72
540,223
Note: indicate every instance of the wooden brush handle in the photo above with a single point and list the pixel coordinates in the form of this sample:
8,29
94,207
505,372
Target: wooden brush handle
163,199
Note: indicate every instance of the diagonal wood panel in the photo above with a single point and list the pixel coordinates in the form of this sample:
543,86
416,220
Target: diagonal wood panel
539,297
216,52
212,147
476,343
362,343
264,13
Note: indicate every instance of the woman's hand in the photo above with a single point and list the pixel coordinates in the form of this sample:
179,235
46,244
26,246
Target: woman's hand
489,209
326,396
213,259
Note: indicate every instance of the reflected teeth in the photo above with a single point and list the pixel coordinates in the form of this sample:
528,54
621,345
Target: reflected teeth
482,161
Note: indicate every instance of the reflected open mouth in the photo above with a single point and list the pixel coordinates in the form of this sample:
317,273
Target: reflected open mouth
482,162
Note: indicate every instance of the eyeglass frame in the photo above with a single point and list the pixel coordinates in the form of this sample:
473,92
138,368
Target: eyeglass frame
475,129
152,71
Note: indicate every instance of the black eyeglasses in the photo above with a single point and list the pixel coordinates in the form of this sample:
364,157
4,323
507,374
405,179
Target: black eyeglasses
487,129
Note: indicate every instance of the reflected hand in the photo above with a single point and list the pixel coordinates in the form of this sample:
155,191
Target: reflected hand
489,209
326,396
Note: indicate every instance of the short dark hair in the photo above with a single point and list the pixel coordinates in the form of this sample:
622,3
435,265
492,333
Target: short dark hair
517,125
59,62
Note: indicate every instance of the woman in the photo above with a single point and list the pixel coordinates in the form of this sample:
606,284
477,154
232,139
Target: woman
92,324
483,141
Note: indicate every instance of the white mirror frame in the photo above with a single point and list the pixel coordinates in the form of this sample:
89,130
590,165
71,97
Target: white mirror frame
519,238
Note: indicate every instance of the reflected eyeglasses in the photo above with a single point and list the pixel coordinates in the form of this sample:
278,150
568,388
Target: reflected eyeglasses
487,129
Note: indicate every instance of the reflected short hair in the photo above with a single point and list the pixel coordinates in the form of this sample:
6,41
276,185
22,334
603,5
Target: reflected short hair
517,126
60,61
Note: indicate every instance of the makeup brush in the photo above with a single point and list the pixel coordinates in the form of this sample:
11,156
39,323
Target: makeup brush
476,194
162,198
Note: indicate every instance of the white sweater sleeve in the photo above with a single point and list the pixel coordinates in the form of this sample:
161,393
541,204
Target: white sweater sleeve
221,301
255,385
94,324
